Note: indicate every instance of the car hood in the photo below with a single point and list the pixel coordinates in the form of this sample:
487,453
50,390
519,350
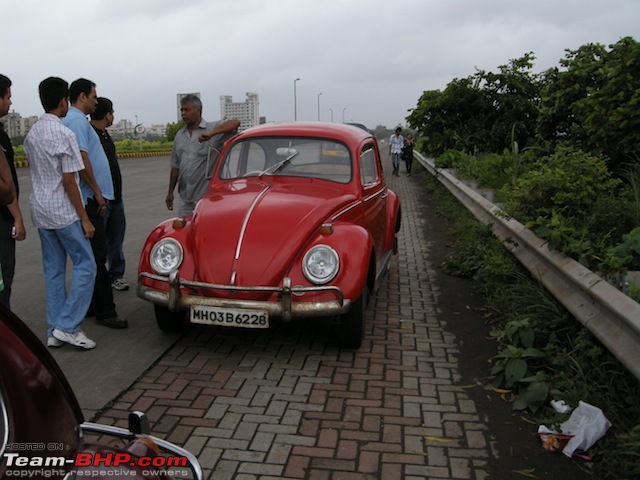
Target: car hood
251,230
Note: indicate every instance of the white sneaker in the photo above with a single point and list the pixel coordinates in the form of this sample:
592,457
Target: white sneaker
120,284
78,339
54,342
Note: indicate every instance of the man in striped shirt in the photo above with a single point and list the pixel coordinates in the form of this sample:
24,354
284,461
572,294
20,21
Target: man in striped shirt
58,212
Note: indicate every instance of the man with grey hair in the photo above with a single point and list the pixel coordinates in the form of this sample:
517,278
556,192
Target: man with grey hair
191,149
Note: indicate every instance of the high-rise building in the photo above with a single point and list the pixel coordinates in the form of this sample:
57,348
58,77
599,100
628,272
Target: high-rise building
248,112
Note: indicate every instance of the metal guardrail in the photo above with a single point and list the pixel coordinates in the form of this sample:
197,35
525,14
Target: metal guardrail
609,314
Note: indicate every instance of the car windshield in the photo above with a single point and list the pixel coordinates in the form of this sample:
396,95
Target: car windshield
287,156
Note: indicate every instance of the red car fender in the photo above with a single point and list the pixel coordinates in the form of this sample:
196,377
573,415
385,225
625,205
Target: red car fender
167,229
354,246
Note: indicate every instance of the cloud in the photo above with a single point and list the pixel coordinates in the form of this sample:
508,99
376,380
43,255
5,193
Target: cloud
370,59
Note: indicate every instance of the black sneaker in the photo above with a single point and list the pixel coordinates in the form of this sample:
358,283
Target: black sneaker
113,322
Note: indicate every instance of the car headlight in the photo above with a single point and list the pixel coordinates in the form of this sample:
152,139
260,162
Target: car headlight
166,256
320,264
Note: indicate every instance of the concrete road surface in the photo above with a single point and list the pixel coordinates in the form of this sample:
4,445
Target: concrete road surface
99,375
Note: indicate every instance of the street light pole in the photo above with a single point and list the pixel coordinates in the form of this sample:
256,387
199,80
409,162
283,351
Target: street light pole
319,105
331,110
343,110
295,100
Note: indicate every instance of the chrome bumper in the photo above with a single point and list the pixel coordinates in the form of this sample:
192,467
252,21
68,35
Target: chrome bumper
139,427
175,301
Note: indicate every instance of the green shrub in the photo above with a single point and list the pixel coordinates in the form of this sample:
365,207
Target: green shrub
568,180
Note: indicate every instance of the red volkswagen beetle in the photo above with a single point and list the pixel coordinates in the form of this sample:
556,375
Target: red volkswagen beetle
42,431
297,223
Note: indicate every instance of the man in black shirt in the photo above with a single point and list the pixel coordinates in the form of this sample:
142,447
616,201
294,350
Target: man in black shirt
115,222
11,221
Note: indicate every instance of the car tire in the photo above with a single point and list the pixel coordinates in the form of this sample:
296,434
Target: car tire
169,321
352,323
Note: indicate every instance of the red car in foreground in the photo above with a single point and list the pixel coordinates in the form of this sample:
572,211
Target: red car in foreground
298,222
43,433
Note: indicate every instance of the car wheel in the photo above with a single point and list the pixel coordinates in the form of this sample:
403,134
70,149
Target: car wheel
169,321
352,322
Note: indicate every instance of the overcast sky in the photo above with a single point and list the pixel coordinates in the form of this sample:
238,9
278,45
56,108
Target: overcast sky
370,59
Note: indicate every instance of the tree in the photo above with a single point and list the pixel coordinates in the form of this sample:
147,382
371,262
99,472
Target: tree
559,119
611,113
514,93
592,102
172,130
485,112
451,119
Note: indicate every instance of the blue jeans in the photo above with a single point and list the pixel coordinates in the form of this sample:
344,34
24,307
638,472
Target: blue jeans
115,224
395,161
66,310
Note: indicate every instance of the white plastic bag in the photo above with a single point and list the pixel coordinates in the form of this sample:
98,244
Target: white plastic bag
587,424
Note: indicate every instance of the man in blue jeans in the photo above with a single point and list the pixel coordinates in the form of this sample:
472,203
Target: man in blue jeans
97,189
58,212
396,142
114,217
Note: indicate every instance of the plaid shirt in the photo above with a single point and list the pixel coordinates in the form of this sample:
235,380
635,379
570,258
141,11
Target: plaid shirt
52,150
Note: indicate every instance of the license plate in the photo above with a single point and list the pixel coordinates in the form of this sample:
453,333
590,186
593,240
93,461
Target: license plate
229,317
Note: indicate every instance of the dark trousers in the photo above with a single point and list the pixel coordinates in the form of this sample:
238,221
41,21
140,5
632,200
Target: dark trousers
7,259
115,224
102,304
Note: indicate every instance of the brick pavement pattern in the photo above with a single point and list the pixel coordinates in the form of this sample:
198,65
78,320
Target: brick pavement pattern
290,404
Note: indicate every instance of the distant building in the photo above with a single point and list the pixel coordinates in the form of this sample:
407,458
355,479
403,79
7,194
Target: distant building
248,112
121,130
17,126
157,130
180,96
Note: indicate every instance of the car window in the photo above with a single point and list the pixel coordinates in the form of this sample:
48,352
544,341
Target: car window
243,158
288,156
368,166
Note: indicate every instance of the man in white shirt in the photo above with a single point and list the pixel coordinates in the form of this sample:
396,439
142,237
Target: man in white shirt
396,142
58,212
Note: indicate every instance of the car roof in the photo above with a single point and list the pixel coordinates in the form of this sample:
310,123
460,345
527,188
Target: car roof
335,131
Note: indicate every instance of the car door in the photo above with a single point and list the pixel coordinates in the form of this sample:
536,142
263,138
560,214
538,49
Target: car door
374,194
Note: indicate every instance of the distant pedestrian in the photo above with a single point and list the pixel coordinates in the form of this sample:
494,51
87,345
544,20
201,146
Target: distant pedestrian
11,220
97,190
407,152
58,212
114,216
191,150
396,142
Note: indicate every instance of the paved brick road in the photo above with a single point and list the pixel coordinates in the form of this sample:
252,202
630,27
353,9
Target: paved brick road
290,404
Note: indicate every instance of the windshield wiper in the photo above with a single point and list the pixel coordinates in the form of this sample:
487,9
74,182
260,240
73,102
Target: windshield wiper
273,169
